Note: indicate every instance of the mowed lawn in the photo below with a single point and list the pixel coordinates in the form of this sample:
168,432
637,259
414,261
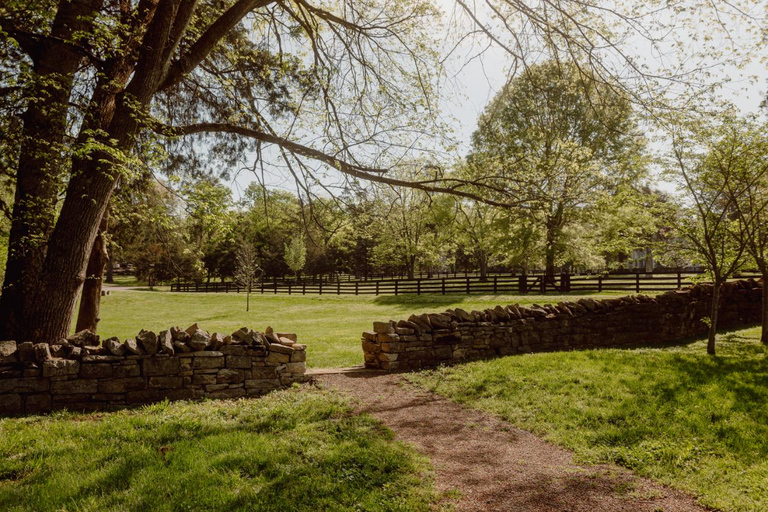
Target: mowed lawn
674,414
299,449
330,325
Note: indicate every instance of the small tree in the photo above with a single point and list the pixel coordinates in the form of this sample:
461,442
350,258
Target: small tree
247,270
296,254
712,228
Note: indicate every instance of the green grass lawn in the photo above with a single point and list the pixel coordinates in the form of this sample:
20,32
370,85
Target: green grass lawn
299,449
674,414
330,325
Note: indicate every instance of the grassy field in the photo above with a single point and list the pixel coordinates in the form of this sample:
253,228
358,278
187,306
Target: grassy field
330,325
299,449
674,414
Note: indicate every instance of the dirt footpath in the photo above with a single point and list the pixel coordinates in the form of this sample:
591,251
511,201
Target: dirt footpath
495,466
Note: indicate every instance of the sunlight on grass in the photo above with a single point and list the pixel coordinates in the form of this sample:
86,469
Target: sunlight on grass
300,449
697,422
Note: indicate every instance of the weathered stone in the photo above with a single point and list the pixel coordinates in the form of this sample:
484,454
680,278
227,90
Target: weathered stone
165,382
229,376
58,351
299,356
291,336
74,387
204,379
130,369
217,341
24,385
36,404
227,393
132,347
102,359
42,352
192,329
8,352
26,352
208,362
281,349
383,327
264,372
235,350
60,367
84,338
165,341
239,362
178,335
285,341
181,346
296,367
95,371
199,340
147,340
114,345
10,404
121,385
160,365
207,353
278,357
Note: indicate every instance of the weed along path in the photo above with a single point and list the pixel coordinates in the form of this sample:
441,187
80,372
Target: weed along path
484,463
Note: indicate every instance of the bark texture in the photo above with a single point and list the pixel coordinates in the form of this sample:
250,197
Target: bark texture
90,296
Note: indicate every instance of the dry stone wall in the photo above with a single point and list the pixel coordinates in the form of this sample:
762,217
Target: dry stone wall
81,374
456,335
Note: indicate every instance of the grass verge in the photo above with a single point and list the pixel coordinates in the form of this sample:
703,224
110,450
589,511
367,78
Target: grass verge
330,325
674,414
299,449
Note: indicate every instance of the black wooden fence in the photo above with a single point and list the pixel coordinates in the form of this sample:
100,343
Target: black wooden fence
495,284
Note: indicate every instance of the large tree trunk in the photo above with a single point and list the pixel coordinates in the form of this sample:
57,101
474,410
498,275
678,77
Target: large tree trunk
90,296
713,314
40,164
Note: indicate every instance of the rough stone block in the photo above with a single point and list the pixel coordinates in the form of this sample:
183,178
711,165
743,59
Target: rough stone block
165,382
74,387
204,379
8,352
10,404
383,327
229,376
239,362
35,404
299,356
130,369
280,349
160,365
122,385
96,371
208,362
278,358
60,368
42,352
296,367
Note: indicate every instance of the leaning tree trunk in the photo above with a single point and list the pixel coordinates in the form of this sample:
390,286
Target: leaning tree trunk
40,164
90,296
713,314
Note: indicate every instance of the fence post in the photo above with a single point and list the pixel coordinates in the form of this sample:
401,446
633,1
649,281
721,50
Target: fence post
599,283
321,287
304,287
418,285
289,287
262,287
338,287
467,284
377,287
637,282
495,284
543,283
679,280
523,283
443,286
396,281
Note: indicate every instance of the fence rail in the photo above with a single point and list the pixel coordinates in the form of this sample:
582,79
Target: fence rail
493,285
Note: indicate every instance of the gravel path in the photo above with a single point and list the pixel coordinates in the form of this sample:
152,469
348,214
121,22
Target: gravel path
493,465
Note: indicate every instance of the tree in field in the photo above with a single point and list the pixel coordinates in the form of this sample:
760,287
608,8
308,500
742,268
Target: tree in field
296,254
741,160
481,230
708,167
556,141
247,270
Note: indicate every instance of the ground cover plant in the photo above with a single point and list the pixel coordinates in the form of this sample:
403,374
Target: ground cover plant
299,449
675,414
330,325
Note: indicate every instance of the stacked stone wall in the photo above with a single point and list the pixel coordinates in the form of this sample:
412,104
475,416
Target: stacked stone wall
81,374
456,335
